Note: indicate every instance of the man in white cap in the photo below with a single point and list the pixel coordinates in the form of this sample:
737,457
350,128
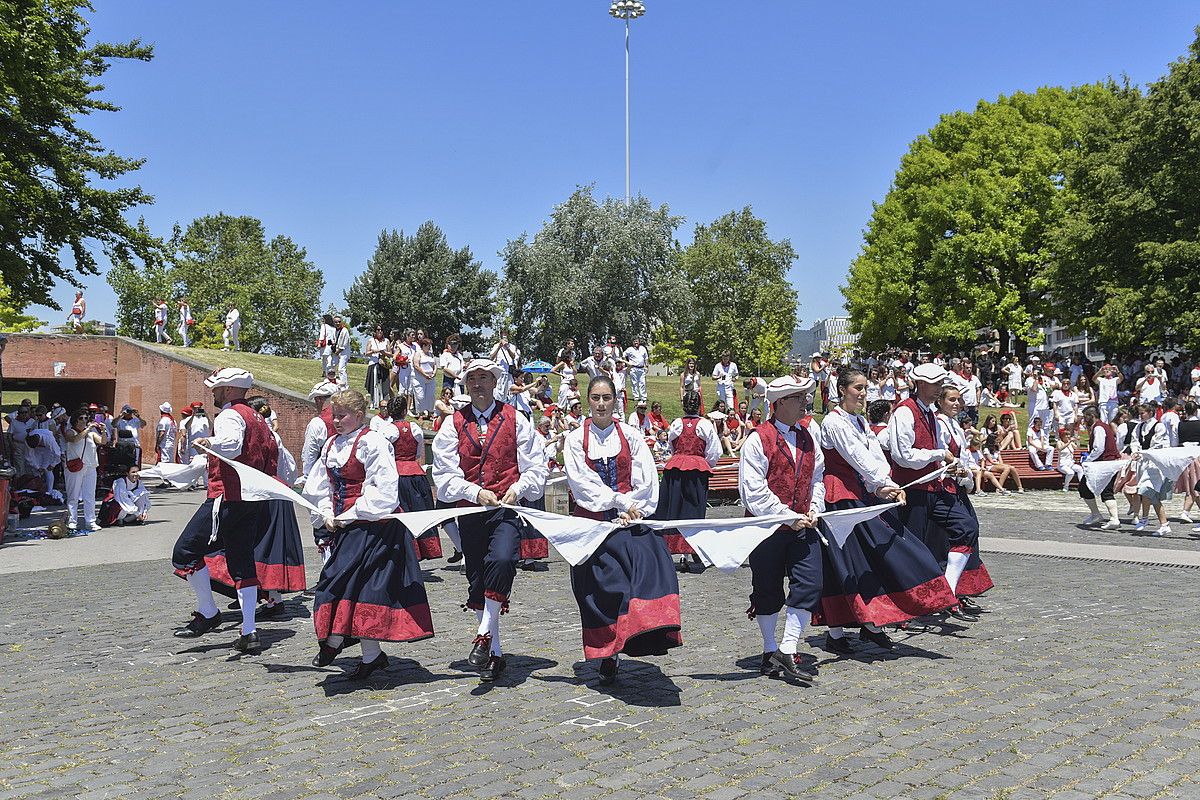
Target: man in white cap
319,430
240,434
164,435
919,445
782,471
487,454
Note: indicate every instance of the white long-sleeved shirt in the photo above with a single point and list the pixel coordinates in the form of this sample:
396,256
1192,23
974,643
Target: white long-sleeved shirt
706,431
229,432
1158,438
1170,421
194,427
380,484
46,454
133,499
589,490
1099,440
850,436
315,434
285,466
233,319
756,495
341,341
452,485
950,429
902,434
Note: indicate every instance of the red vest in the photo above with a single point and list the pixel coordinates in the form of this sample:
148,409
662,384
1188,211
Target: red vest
688,449
924,438
1111,451
405,450
842,481
491,463
345,483
326,416
258,451
788,480
624,469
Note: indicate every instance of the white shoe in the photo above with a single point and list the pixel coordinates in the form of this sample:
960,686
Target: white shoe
1140,525
1092,519
95,526
71,526
1163,531
1196,529
1185,517
1111,525
1005,491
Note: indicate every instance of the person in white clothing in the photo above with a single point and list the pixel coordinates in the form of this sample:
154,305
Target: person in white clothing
596,364
1066,458
233,329
725,372
341,351
1107,380
377,383
78,311
133,498
451,364
83,437
185,322
1063,406
756,389
42,455
637,358
160,321
1153,488
326,333
1170,421
508,356
1150,388
424,366
1037,389
1037,441
164,435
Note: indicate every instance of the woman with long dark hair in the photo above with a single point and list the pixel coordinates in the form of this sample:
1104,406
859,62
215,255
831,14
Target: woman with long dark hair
695,448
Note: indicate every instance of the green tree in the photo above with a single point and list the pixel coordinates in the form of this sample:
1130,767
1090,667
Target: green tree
1128,266
11,318
749,307
668,346
419,281
962,241
50,167
593,270
220,259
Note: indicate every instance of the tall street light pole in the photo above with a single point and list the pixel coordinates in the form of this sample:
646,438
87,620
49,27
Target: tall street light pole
626,10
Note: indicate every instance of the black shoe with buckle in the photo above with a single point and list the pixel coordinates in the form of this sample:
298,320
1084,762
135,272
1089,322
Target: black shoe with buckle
970,605
838,645
877,638
481,650
247,642
495,666
608,670
199,625
364,670
790,667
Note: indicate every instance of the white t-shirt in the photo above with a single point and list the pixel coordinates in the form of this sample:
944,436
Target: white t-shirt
1108,389
636,357
1063,405
1038,401
1150,389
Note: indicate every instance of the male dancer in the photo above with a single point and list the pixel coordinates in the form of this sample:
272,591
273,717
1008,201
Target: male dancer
1104,448
782,469
487,454
318,431
241,434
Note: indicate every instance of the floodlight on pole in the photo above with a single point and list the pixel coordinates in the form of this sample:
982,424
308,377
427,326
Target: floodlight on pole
626,10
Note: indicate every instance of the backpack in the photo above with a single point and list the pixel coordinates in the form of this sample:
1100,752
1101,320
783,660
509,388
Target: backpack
109,511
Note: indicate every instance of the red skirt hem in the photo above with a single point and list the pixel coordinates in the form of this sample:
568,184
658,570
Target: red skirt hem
887,609
642,617
371,621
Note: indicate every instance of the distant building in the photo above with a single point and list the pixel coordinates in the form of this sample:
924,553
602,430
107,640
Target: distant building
825,335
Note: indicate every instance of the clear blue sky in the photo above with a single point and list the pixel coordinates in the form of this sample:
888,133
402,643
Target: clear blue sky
331,122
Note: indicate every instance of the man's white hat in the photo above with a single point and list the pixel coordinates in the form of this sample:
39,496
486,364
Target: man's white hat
788,386
460,400
1034,359
323,389
484,364
929,373
165,408
230,376
817,354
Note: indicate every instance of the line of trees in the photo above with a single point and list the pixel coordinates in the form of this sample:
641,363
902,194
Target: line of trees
1078,205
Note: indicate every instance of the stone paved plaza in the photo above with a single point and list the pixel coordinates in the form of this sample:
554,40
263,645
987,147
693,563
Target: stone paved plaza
1081,682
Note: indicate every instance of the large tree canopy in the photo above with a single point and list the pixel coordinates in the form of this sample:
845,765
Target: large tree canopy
962,240
419,281
743,300
49,165
221,259
593,270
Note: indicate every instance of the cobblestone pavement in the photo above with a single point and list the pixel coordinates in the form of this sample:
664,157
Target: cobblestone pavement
1081,682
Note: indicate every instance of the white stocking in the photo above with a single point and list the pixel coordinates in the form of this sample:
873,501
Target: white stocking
793,629
955,564
248,597
201,584
766,624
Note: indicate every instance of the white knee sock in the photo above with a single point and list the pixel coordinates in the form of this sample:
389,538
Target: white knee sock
793,629
491,613
1111,506
836,632
766,624
370,650
955,564
1091,504
201,584
248,597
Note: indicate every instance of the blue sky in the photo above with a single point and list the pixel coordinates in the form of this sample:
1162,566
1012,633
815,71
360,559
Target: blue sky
331,122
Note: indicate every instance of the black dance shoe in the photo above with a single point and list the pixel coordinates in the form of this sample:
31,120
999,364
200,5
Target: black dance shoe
791,668
269,612
236,605
364,670
495,666
840,645
958,612
247,642
877,638
327,654
608,670
481,650
454,559
970,605
768,665
199,625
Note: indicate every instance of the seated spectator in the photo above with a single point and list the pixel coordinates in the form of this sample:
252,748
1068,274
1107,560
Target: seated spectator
1010,435
42,455
1066,458
132,497
1037,441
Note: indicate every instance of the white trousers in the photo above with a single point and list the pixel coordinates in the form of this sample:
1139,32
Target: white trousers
343,376
81,486
637,382
1108,410
160,334
423,395
183,334
326,360
725,395
231,335
1071,470
1036,459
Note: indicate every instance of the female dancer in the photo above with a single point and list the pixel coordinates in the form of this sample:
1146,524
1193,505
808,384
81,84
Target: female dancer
883,574
370,588
413,490
627,592
695,448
